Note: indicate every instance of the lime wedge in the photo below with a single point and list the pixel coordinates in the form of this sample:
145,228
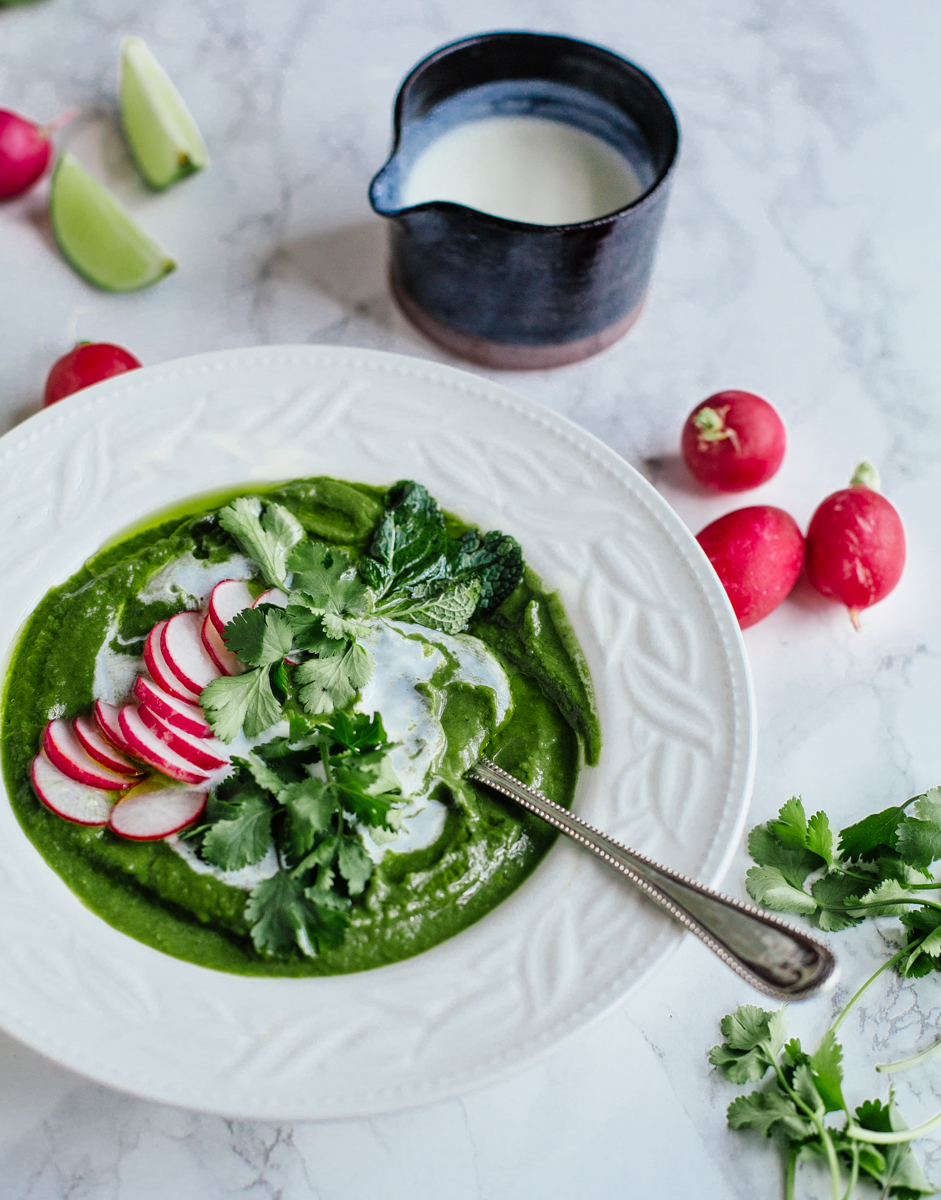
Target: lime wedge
162,135
98,237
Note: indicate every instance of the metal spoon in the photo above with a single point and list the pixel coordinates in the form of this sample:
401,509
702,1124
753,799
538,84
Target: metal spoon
772,955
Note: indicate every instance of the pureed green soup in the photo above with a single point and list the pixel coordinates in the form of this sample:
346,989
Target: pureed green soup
346,841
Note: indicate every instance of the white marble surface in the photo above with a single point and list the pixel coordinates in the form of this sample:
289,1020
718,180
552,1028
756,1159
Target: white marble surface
800,259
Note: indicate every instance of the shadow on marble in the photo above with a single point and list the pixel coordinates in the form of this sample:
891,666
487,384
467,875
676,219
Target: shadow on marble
669,470
349,262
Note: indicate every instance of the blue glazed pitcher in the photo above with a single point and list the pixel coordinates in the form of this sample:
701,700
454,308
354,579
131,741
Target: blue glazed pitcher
506,293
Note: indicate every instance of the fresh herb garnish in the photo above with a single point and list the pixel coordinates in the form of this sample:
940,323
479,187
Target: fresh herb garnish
310,802
267,536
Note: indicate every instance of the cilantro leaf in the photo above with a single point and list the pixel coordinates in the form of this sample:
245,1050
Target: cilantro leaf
242,837
236,702
763,1110
901,1175
883,900
867,837
826,1064
791,825
754,1038
284,918
267,538
820,837
768,851
325,585
309,807
317,568
835,893
918,837
367,786
263,775
259,636
769,887
354,863
333,680
359,732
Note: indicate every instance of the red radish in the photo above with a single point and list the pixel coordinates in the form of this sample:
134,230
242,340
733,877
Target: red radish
206,753
67,798
856,544
156,753
188,717
272,596
160,670
25,150
88,363
227,600
106,718
733,441
155,810
184,653
101,749
228,662
757,552
66,752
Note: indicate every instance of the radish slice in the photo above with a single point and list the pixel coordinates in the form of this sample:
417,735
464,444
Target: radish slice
156,753
67,798
106,718
228,662
272,596
185,716
201,752
66,752
160,671
101,750
227,600
184,652
155,810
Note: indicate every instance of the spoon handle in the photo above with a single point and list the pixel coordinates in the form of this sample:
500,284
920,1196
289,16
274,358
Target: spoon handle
775,957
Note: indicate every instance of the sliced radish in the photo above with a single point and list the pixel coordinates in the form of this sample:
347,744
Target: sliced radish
207,753
101,750
184,652
154,752
272,596
160,671
228,662
182,714
227,600
106,718
67,797
155,810
65,751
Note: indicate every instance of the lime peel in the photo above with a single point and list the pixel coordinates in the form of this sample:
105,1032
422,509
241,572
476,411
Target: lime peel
98,237
165,143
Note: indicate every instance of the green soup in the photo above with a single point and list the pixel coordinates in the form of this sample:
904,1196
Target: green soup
538,722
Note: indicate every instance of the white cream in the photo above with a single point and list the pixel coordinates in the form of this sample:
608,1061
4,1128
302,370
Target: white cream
525,169
196,577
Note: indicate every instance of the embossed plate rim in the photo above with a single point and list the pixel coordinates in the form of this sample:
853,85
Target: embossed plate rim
244,1067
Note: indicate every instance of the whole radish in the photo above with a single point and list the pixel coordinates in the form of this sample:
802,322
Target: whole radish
757,552
88,363
856,544
25,150
733,441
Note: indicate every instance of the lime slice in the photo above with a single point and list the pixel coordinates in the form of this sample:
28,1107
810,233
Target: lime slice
162,135
98,237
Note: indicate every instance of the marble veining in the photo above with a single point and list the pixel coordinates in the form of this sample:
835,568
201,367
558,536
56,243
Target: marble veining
798,259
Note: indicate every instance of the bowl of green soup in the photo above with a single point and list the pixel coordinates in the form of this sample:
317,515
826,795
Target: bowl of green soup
263,609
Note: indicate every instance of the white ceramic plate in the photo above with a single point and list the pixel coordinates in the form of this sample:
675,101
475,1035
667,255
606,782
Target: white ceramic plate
665,654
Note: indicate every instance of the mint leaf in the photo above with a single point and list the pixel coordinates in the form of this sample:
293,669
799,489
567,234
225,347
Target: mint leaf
309,809
918,837
284,918
769,887
243,837
496,560
332,681
235,702
265,538
259,636
449,610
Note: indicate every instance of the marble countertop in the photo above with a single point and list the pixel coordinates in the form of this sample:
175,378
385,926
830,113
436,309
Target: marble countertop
800,259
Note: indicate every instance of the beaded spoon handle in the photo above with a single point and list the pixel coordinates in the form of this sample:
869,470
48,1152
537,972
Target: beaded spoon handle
775,957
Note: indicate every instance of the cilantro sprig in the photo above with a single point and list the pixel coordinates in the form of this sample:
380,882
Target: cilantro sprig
309,800
800,1092
878,868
